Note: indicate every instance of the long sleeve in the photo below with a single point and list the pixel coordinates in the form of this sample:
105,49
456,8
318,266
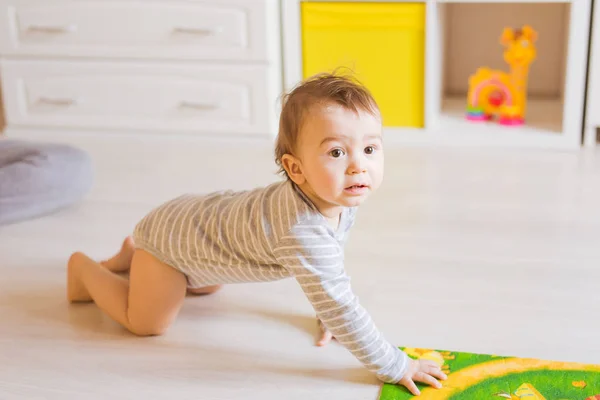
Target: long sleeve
315,258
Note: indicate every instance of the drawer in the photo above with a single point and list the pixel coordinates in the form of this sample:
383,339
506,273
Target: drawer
178,98
216,30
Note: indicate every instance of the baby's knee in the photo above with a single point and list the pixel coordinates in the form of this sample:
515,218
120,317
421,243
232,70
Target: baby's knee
76,258
141,327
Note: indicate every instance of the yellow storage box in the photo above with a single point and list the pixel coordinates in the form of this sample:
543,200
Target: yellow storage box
383,44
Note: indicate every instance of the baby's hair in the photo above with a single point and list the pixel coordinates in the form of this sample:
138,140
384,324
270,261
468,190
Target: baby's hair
318,90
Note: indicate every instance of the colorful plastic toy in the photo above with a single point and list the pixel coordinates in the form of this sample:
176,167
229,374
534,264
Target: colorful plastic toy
494,93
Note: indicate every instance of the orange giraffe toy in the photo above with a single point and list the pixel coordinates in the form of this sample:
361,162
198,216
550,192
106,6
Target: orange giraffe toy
497,93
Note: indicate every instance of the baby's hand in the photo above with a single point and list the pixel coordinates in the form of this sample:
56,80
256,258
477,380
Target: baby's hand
422,371
326,336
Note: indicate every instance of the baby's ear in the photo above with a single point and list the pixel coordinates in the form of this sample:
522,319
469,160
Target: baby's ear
293,168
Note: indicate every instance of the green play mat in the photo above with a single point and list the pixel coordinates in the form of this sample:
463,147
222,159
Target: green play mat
481,376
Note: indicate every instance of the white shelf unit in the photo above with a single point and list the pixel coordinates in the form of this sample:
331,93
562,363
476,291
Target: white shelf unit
557,78
592,123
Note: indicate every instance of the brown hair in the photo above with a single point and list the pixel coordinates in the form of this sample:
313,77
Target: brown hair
320,89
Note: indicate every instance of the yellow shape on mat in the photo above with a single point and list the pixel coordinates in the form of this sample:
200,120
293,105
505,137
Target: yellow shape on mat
383,44
527,391
433,356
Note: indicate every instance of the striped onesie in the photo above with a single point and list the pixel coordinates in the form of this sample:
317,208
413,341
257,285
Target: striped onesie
269,234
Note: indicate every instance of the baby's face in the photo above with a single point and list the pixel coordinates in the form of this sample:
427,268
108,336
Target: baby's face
342,156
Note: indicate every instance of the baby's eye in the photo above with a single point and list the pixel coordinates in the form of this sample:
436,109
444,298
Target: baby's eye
369,150
336,153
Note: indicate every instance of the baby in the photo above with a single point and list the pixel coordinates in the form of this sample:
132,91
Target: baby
330,149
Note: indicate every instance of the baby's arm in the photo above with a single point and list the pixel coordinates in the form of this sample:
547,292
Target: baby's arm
315,258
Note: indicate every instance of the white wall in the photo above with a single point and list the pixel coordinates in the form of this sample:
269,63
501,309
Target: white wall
472,40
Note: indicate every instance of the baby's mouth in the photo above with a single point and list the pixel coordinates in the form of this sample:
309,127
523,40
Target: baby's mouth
356,189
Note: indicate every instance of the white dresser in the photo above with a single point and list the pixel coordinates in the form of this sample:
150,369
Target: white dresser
592,118
205,67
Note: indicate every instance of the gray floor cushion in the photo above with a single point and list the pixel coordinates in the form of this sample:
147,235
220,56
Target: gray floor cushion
39,178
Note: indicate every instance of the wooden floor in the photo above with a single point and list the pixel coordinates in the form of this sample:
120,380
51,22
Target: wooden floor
473,250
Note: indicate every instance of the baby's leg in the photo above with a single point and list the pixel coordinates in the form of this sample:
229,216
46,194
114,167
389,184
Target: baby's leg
146,304
121,262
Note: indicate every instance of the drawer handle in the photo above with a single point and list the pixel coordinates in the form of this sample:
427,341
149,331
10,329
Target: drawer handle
58,101
53,29
198,31
199,106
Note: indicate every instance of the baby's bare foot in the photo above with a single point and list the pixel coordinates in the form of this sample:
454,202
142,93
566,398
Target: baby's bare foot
122,261
76,292
204,290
